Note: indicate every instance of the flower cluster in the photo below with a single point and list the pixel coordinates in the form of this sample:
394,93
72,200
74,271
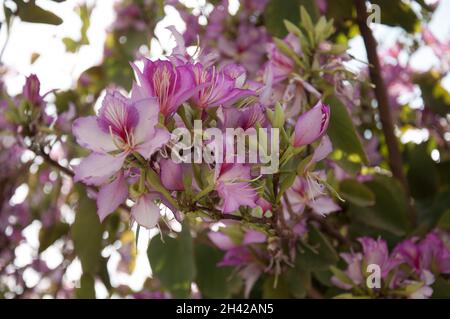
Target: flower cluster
409,271
131,140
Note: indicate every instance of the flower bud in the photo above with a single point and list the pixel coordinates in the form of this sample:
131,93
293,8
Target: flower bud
312,125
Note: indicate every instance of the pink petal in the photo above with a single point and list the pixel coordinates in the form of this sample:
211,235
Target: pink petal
148,110
311,125
89,135
325,147
111,196
324,205
171,175
221,240
254,237
155,142
97,168
146,213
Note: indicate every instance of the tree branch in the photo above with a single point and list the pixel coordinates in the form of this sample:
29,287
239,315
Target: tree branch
394,155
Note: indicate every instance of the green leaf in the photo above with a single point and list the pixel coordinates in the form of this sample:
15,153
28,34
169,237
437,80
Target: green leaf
212,280
319,254
298,281
435,96
286,181
444,221
422,174
276,12
87,287
278,291
356,193
441,288
47,236
342,131
390,211
30,12
172,262
398,13
86,233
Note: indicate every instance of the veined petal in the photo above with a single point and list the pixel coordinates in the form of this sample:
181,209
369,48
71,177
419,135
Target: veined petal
97,168
89,135
155,142
312,124
145,212
111,196
148,110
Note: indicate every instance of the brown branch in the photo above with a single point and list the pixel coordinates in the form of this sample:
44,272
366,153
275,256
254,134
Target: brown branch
384,109
55,164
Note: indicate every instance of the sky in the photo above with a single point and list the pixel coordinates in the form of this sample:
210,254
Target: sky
59,70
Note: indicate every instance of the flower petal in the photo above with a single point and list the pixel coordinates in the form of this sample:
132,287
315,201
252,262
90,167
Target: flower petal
89,135
155,142
221,240
146,213
97,168
171,175
111,196
325,147
148,110
324,205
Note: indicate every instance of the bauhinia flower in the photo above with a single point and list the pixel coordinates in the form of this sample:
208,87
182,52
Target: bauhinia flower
217,87
308,189
171,85
280,64
239,254
122,127
233,186
312,125
306,192
31,90
373,252
431,254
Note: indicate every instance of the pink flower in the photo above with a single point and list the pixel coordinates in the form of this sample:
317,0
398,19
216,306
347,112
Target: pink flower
245,118
431,254
122,127
376,252
280,64
308,192
171,85
239,254
232,185
373,252
31,90
217,87
312,125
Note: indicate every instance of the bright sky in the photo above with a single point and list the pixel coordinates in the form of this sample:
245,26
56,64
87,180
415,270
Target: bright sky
58,69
